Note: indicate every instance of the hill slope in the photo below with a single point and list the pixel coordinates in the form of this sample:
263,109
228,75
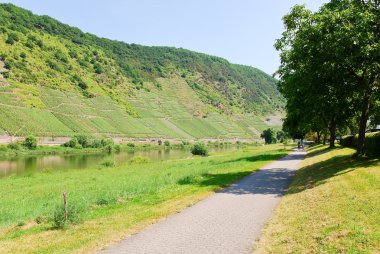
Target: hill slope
57,81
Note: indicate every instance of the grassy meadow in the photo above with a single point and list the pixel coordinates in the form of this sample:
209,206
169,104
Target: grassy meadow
332,206
113,200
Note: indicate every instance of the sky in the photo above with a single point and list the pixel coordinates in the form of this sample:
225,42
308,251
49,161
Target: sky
242,31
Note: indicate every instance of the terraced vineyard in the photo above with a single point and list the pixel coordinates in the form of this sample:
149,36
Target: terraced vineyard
58,81
161,116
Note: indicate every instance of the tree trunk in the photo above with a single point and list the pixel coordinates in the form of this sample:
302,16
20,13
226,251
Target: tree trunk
318,137
363,123
324,137
332,129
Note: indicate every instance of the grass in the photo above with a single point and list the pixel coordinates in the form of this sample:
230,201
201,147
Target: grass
332,206
116,200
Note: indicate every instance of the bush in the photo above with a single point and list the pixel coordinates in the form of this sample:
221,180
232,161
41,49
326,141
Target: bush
108,163
14,146
83,140
109,148
96,143
186,143
159,142
107,142
199,149
73,216
139,160
131,145
12,38
166,143
347,141
30,143
371,143
73,143
117,148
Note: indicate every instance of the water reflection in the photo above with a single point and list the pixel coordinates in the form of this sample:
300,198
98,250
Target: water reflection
30,164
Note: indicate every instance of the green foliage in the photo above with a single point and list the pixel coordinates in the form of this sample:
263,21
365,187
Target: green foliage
347,141
199,148
131,145
30,143
324,53
74,216
55,86
139,160
371,143
14,146
226,86
108,163
269,136
12,38
83,140
106,199
166,143
73,143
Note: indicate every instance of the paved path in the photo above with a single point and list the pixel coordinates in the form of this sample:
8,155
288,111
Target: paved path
227,222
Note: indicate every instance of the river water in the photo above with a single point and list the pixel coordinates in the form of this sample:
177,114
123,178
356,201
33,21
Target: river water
21,165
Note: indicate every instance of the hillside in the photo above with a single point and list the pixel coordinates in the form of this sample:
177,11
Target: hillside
57,81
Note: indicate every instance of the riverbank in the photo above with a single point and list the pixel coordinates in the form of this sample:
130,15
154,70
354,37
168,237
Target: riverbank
5,151
56,150
332,206
113,201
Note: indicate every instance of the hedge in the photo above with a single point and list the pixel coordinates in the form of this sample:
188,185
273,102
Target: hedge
371,146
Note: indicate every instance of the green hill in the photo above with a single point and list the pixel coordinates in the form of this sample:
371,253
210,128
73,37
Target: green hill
56,80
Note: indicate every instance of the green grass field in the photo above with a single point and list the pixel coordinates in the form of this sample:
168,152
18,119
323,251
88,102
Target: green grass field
332,206
115,201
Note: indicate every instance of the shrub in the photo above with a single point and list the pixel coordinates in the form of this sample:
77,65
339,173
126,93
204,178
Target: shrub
108,163
14,146
117,148
73,216
106,199
166,143
109,148
347,141
159,142
186,143
131,145
30,143
107,142
371,143
73,143
96,143
12,38
139,160
199,149
3,148
83,140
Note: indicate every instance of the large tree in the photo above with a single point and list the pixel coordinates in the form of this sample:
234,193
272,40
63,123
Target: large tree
330,64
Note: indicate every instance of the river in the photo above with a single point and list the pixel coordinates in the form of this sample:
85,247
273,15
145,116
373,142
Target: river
23,165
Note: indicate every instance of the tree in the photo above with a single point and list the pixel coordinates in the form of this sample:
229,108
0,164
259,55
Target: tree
30,143
199,148
269,136
329,65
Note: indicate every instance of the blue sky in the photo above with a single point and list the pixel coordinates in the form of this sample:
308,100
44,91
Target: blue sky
242,31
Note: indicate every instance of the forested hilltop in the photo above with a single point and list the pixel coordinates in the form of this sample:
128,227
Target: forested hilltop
56,80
